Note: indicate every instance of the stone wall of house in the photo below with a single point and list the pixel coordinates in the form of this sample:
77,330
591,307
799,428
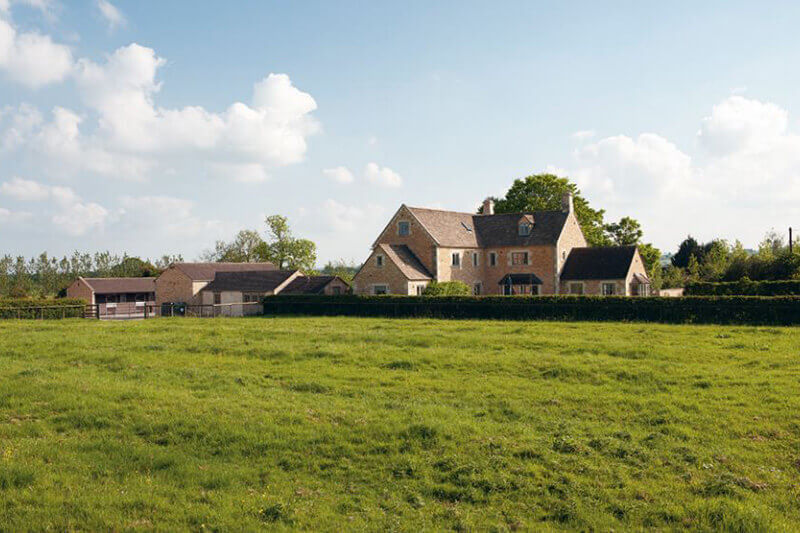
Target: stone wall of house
466,272
571,237
418,240
388,274
175,286
593,287
637,267
81,290
336,283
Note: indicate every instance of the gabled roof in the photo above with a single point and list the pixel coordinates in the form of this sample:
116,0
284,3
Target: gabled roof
468,230
252,281
408,263
309,284
520,279
207,271
602,262
120,285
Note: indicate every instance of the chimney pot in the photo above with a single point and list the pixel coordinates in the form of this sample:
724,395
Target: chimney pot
566,202
488,207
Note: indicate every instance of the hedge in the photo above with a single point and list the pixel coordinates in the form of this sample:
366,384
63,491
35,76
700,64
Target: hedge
688,310
744,287
41,308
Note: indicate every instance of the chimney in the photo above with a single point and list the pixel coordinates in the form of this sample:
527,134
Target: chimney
566,202
488,207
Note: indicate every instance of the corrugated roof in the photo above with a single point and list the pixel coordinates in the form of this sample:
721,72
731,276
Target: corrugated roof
606,262
207,271
467,230
253,281
308,285
121,285
408,263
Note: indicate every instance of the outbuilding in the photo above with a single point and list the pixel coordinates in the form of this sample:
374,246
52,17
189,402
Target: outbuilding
120,297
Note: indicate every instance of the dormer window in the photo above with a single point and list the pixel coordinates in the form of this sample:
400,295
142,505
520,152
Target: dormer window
525,228
404,228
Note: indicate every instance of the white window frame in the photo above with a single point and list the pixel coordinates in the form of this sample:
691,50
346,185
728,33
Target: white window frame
576,283
525,229
379,261
375,288
455,259
603,285
419,289
526,257
407,224
492,259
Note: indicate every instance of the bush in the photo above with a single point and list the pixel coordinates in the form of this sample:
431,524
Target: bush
692,310
41,308
446,288
744,287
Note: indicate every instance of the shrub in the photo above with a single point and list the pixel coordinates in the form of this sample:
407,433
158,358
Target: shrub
783,310
744,287
41,308
446,288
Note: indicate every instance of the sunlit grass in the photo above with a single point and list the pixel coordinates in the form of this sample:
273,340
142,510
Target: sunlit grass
342,424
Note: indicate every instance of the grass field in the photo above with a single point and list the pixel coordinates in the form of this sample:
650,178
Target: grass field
372,424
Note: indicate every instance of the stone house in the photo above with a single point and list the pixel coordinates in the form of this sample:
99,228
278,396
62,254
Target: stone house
115,296
510,253
182,282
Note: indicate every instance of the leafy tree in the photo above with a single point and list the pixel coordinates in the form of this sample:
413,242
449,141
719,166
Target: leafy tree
686,250
246,247
651,257
344,269
286,251
133,267
541,192
626,232
166,260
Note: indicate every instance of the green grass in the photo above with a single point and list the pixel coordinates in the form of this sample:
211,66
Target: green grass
372,424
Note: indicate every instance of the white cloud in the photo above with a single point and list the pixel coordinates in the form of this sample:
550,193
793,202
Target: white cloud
78,218
583,135
383,176
25,190
343,218
31,58
170,216
113,16
740,124
339,174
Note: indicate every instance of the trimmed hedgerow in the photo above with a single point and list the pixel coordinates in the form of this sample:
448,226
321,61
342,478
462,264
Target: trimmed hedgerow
744,287
41,308
689,310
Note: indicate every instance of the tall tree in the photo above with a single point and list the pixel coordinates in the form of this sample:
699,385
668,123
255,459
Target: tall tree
284,249
543,192
344,269
626,232
688,248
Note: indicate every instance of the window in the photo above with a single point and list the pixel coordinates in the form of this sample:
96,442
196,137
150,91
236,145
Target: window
519,258
492,259
380,289
420,289
475,260
456,257
476,289
336,291
404,228
576,288
534,290
525,229
379,261
217,298
609,289
563,255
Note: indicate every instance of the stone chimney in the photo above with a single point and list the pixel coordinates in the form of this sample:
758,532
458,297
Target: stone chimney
488,207
566,202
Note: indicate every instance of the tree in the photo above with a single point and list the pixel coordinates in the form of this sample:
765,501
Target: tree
651,257
344,269
687,249
543,192
133,267
246,247
286,251
626,232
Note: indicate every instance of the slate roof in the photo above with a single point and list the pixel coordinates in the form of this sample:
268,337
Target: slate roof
468,230
308,284
121,285
207,271
602,262
252,281
408,263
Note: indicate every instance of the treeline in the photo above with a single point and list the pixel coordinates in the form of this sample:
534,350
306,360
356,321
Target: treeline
47,277
720,261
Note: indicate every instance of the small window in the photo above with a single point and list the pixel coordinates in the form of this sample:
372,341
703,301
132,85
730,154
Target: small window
380,289
519,258
456,257
217,298
576,288
420,289
336,291
609,289
379,261
403,228
525,229
476,289
492,259
563,255
475,259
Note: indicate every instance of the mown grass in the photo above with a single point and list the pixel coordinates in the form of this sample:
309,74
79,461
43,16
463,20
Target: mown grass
372,424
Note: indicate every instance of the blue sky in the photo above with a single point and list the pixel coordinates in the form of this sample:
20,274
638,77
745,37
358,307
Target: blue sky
156,127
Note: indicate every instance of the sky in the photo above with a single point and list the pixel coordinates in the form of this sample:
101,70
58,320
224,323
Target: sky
158,128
